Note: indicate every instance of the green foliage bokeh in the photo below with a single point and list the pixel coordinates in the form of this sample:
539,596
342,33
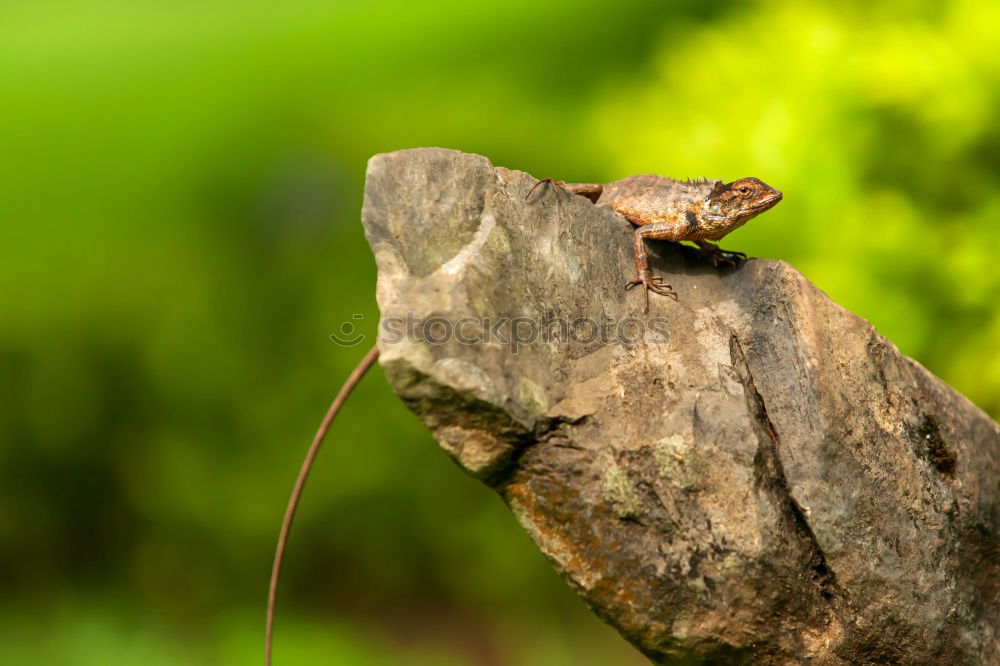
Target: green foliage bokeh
180,188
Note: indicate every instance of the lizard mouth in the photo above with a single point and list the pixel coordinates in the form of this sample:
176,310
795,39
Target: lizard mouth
768,200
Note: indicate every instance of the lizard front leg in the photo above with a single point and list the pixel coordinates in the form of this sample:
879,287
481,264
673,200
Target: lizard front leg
670,231
718,255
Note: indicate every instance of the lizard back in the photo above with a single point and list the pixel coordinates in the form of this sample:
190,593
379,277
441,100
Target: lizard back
649,199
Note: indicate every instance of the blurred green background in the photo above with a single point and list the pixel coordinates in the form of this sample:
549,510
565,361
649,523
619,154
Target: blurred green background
180,188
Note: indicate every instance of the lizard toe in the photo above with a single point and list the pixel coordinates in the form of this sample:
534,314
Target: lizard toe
663,290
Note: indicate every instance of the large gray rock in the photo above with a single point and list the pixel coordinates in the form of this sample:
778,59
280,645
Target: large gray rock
748,474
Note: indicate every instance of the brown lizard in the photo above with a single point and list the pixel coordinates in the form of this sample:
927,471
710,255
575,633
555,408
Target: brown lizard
677,210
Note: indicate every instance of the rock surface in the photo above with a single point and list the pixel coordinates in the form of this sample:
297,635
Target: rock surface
750,474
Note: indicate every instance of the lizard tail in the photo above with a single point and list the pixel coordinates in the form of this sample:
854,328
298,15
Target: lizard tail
293,501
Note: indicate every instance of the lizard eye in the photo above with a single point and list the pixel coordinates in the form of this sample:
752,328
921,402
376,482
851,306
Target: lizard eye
744,190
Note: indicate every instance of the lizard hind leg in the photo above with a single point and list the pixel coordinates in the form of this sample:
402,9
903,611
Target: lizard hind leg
550,181
589,190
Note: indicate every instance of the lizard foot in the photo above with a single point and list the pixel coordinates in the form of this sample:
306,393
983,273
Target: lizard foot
550,181
654,284
720,256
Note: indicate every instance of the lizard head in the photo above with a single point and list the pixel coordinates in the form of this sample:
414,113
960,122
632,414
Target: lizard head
741,200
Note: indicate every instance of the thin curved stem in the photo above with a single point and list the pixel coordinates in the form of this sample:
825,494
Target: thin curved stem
300,482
